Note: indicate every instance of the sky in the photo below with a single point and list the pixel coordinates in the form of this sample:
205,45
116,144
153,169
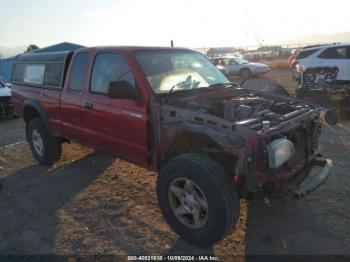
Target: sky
189,23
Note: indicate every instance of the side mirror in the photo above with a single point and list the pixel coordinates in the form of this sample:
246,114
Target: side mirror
122,90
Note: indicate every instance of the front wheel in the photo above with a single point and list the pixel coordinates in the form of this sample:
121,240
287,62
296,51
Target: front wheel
198,199
45,147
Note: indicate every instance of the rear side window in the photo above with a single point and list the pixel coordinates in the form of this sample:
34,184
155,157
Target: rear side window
306,53
107,68
334,53
34,74
78,73
46,75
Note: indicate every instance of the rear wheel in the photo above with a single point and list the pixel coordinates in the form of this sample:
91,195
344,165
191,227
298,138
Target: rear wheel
245,73
198,199
45,147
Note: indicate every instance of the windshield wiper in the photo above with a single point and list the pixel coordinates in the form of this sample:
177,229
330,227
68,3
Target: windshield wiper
169,93
223,84
188,81
199,88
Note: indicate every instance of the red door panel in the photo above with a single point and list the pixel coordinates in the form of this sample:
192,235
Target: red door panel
72,109
116,126
72,116
50,100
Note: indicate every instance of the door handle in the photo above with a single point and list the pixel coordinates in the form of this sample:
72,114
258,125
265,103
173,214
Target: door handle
89,106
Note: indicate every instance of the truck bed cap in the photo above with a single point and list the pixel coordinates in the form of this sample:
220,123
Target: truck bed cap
51,57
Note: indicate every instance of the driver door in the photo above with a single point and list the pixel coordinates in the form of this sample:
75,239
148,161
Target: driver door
232,66
115,126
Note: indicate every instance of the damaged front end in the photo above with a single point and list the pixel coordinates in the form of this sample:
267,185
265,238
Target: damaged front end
261,139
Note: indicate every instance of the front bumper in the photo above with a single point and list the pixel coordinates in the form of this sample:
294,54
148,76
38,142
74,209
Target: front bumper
309,183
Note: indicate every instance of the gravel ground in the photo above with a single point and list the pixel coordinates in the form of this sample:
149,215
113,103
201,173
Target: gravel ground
11,131
90,203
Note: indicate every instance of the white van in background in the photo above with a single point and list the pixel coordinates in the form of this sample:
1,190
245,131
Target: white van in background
326,55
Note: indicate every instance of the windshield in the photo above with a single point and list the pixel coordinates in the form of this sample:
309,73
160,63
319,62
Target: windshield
241,61
2,84
180,70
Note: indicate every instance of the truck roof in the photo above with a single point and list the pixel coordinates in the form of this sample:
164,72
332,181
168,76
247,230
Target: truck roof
60,57
135,48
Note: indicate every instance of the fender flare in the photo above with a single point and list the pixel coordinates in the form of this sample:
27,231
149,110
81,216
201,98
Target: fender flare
39,109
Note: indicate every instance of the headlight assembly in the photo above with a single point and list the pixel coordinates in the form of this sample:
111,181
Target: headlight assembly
280,151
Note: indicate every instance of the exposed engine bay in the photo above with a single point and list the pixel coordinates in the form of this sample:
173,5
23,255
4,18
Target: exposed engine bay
243,108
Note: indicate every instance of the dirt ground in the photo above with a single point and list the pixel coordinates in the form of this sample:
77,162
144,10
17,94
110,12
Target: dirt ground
11,131
90,203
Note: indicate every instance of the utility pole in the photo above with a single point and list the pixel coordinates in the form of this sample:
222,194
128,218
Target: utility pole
1,69
171,43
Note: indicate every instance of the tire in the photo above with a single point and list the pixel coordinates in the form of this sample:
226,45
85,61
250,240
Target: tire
331,117
245,73
51,147
214,184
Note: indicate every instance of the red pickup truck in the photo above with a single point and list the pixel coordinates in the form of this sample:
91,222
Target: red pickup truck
170,110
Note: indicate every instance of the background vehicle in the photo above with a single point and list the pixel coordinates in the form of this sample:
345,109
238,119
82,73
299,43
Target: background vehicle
318,86
293,55
325,56
171,110
6,108
238,66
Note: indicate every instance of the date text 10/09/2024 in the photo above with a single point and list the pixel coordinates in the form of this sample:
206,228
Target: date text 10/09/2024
173,258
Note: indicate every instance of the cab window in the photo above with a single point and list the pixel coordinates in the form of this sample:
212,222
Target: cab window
78,73
109,67
233,62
